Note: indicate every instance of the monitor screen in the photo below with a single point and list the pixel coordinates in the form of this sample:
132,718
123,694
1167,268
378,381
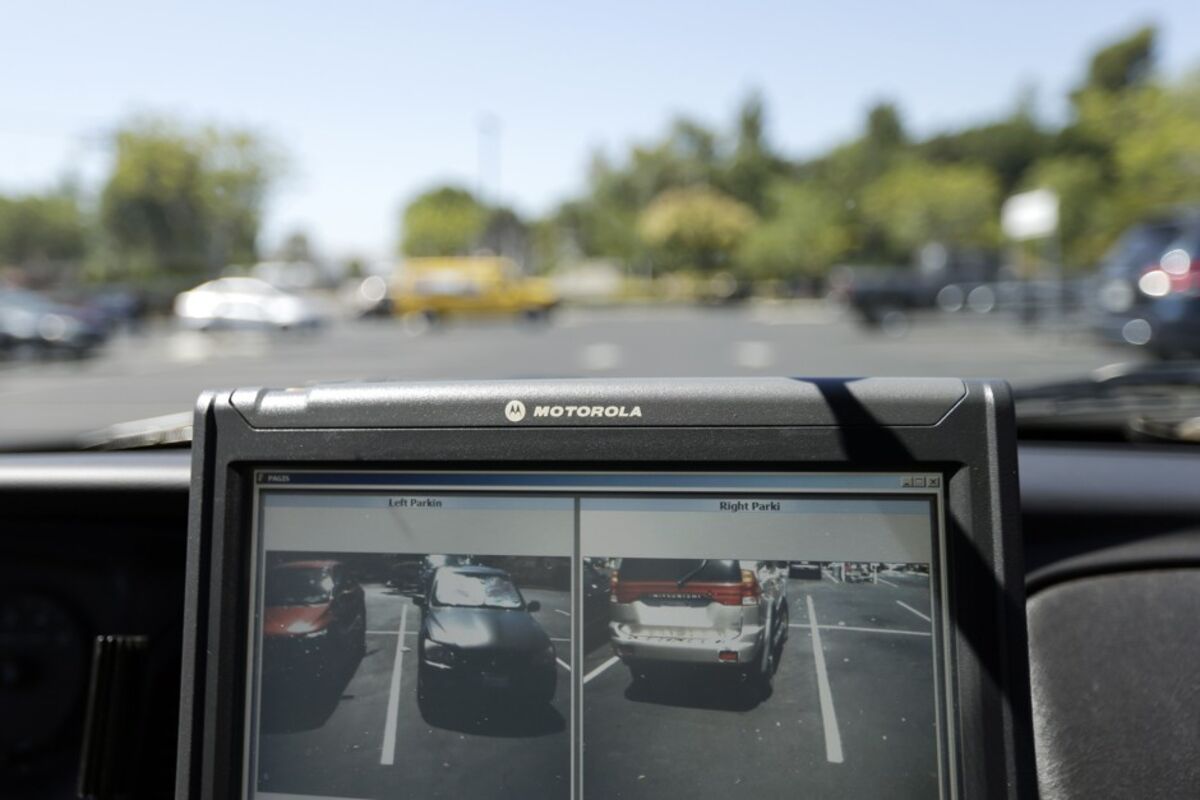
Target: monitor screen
606,635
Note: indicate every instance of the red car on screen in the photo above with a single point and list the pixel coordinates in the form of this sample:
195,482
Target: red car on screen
314,619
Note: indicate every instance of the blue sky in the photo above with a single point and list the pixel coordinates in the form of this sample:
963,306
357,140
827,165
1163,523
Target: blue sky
374,101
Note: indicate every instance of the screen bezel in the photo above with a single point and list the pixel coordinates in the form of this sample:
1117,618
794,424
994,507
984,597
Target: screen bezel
941,642
972,446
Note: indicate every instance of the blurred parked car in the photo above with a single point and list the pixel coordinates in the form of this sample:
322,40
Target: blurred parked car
31,324
1149,288
245,303
436,288
315,620
679,611
478,635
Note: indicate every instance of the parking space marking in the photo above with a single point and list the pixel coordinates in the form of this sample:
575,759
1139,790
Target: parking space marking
600,669
563,664
560,611
833,577
862,630
558,639
833,737
886,582
388,757
918,613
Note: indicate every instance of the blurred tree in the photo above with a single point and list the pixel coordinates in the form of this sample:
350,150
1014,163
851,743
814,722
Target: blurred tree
296,247
443,221
916,203
506,234
805,234
1125,63
695,227
1079,182
41,228
183,202
753,165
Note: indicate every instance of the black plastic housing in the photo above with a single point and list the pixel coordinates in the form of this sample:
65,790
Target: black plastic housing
962,429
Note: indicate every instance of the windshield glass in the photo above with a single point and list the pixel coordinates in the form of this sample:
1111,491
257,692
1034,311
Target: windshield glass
476,591
605,191
298,586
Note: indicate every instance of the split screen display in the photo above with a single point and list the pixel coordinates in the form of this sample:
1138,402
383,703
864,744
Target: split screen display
574,635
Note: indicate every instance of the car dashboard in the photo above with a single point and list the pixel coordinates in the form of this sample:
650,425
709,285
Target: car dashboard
93,544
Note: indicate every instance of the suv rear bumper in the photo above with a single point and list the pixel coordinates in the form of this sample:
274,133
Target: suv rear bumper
747,645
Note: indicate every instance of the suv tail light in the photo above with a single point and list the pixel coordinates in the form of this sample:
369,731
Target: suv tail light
751,591
613,583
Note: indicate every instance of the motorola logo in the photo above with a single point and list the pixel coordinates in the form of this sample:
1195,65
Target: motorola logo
515,411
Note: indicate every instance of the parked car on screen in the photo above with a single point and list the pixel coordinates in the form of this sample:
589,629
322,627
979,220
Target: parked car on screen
478,636
314,620
810,570
677,611
244,303
31,324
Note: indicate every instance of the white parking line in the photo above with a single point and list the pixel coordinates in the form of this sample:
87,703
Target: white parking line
833,737
560,611
563,664
558,639
918,613
600,669
832,577
887,582
863,630
388,757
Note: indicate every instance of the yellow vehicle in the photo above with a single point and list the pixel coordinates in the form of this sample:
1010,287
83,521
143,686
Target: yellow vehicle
441,287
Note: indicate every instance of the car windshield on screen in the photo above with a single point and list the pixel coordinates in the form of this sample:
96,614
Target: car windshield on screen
454,588
680,569
715,201
298,586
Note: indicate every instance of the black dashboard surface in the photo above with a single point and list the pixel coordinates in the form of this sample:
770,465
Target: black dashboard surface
93,543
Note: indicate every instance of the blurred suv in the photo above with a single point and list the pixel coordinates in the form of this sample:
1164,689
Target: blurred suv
315,619
677,611
1149,288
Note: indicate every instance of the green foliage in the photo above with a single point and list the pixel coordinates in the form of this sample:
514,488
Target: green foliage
183,201
917,202
695,227
806,233
1123,64
1079,182
444,221
41,227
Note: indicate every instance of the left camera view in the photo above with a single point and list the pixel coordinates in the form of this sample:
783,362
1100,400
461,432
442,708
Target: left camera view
422,675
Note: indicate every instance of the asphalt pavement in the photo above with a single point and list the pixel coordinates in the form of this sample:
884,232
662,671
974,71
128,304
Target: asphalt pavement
372,741
163,370
852,713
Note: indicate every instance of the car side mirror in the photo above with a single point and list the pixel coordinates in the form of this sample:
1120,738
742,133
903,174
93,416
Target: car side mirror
419,600
533,605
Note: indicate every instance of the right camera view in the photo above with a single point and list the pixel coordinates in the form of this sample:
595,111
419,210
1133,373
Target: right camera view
759,647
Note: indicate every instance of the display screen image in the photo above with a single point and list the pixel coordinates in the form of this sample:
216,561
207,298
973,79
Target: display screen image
418,636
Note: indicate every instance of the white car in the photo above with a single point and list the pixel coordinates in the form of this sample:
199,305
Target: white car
244,303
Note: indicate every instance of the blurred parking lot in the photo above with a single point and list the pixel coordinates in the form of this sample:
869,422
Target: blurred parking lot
162,369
